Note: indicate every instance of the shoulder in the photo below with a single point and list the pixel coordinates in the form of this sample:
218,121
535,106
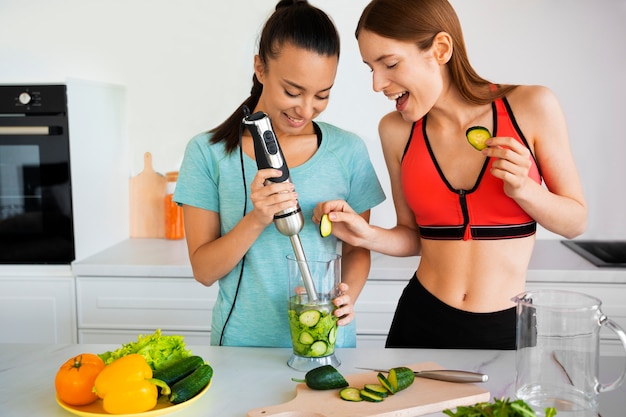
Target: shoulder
331,130
392,125
201,144
532,101
394,133
339,138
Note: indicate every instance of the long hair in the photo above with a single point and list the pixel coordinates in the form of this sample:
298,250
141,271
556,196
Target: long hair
295,22
420,21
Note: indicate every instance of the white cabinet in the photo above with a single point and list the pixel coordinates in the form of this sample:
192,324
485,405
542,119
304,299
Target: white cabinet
374,311
117,309
37,304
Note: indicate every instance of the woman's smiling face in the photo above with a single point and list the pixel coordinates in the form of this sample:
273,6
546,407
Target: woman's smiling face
403,72
296,87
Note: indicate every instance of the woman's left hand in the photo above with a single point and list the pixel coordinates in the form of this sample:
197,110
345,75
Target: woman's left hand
345,307
512,163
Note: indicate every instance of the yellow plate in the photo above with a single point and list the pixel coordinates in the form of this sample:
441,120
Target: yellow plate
163,407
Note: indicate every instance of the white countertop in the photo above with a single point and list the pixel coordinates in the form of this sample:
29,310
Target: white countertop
551,261
250,378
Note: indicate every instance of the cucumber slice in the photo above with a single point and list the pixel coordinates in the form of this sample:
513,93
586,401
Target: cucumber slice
332,336
326,226
477,136
306,338
351,394
376,389
310,317
318,348
370,396
385,383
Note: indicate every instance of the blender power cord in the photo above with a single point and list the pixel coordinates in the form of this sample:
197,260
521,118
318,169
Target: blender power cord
245,208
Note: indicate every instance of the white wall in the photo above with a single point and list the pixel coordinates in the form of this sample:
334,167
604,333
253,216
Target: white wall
187,64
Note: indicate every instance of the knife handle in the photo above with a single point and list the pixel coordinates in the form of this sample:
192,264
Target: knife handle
452,375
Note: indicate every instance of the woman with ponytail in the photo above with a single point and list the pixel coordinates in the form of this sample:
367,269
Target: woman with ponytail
228,210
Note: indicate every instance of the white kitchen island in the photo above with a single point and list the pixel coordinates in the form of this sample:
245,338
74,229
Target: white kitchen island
251,378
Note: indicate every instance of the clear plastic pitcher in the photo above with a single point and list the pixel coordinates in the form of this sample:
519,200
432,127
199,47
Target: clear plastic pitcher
311,320
557,358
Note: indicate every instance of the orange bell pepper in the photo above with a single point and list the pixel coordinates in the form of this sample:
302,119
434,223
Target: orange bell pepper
126,386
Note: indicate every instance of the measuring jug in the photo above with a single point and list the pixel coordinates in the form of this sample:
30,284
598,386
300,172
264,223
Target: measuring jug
557,358
311,321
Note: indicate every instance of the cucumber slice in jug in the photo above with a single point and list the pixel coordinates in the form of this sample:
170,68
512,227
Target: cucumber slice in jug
310,317
318,348
306,338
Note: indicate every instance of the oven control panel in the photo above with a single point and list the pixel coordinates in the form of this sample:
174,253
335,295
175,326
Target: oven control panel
33,99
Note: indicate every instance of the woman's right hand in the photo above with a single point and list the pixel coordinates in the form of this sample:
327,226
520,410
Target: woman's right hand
272,198
348,225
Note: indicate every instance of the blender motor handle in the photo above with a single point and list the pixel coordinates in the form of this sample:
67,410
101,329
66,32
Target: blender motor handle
309,285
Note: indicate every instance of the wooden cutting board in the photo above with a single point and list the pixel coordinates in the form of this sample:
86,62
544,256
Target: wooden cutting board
147,191
424,396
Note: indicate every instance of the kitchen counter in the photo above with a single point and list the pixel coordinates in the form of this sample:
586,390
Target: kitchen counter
551,261
249,378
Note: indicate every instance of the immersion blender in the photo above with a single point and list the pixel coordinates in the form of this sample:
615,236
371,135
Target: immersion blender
290,221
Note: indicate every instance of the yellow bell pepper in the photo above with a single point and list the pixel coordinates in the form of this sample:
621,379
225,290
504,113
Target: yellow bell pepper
126,386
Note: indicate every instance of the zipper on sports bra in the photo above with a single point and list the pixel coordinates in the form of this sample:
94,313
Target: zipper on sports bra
466,229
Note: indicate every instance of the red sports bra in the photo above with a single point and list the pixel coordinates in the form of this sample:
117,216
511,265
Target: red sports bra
484,211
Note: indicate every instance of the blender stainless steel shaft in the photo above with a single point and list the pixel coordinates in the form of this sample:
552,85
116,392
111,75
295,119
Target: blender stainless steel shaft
289,222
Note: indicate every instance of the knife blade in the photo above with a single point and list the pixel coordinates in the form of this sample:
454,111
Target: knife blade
449,375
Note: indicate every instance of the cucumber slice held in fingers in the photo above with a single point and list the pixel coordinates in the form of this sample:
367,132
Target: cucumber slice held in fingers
326,226
477,137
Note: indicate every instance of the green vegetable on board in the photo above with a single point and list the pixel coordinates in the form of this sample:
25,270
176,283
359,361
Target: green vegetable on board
159,350
498,408
323,377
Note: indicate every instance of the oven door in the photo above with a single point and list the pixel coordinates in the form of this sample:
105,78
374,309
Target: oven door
36,224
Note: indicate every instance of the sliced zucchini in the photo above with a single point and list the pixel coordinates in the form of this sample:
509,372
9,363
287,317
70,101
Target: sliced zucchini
326,226
400,378
385,383
319,348
370,396
332,336
306,338
376,389
477,137
351,394
310,317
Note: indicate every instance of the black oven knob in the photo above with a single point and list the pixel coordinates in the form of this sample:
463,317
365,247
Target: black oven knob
24,98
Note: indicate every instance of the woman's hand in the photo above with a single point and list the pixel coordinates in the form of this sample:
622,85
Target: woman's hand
512,163
272,198
345,305
348,225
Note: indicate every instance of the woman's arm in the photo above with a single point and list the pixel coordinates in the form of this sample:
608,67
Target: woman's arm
350,227
560,206
355,268
213,256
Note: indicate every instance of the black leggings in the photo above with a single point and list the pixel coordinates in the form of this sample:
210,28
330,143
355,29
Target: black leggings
422,320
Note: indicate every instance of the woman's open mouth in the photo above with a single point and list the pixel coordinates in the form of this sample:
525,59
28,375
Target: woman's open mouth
401,99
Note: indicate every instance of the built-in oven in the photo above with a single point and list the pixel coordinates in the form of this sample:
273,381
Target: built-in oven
36,222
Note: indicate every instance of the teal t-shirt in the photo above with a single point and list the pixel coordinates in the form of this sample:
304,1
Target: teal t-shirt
212,180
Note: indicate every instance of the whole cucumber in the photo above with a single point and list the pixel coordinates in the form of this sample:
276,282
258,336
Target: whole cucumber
191,385
178,370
